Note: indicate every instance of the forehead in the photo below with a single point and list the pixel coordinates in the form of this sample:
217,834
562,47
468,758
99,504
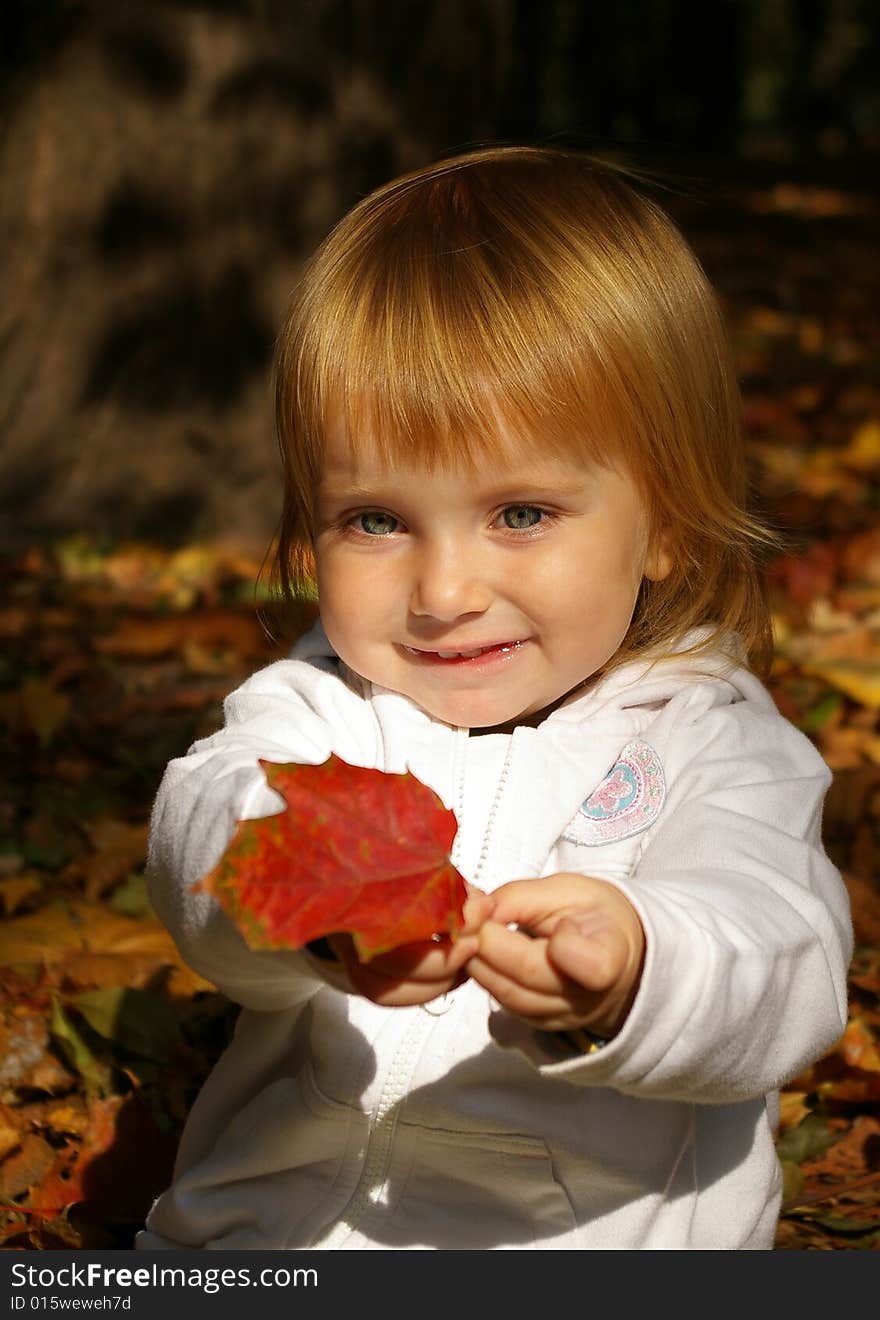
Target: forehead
360,456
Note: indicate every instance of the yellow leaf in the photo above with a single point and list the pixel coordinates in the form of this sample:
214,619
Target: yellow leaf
863,450
792,1108
10,1130
67,1118
14,891
48,936
859,1046
859,679
39,937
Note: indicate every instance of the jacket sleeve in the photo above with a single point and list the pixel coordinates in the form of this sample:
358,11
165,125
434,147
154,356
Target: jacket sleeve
747,923
286,712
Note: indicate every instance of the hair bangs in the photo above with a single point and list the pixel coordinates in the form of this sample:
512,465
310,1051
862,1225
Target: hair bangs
431,337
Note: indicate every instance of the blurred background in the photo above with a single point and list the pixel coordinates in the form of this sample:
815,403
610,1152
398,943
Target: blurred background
165,167
167,164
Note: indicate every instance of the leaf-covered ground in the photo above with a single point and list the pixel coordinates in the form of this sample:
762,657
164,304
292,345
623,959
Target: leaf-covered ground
117,656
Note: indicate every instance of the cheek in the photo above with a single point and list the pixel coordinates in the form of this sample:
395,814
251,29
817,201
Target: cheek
619,558
353,593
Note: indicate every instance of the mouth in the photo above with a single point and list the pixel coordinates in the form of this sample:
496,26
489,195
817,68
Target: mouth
473,655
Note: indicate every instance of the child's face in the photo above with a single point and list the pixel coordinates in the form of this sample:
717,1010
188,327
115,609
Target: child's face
534,561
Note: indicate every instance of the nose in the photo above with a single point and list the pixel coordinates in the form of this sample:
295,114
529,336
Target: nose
449,580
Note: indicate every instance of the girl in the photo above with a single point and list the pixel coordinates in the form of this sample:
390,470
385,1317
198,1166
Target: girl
514,463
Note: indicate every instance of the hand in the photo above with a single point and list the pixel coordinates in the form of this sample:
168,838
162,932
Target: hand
412,973
575,959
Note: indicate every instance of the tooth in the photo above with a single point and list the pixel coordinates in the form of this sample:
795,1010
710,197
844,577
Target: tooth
447,655
468,655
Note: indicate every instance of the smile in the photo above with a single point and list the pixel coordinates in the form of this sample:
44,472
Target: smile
494,650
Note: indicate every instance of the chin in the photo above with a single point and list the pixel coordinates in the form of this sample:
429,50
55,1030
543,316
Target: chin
465,718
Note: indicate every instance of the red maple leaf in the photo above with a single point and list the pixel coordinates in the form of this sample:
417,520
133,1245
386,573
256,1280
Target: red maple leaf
354,850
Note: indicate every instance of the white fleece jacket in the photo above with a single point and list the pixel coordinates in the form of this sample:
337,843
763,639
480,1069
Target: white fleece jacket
332,1122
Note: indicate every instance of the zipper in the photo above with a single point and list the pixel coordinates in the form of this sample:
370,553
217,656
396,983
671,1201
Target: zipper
371,1189
372,1184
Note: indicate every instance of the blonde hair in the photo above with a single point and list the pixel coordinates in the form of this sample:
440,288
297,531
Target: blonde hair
540,285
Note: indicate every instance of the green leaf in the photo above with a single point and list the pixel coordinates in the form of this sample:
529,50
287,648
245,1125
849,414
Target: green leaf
95,1072
822,712
809,1138
135,1019
840,1224
792,1180
130,897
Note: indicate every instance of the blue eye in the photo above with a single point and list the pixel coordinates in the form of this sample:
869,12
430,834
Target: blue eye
377,524
520,517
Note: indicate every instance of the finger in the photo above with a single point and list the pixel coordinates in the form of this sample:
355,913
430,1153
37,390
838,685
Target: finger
425,960
535,1006
537,903
397,994
595,959
520,958
478,907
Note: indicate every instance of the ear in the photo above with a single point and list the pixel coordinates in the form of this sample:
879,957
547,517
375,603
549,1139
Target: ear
659,559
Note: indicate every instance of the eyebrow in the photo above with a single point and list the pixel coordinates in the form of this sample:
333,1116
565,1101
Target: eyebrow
509,491
540,489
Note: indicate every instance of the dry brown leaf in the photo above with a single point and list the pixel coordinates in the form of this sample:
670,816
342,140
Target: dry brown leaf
864,898
863,450
17,888
122,1162
49,936
25,1167
84,971
15,620
152,636
44,710
11,1130
119,849
70,1119
25,1041
854,1154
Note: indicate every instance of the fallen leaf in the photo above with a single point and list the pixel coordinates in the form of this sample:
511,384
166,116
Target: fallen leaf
118,849
863,450
14,891
25,1059
859,1046
58,930
44,710
89,971
135,1019
131,897
155,636
865,903
354,850
792,1109
67,1119
25,1167
859,679
810,1137
121,1164
11,1130
95,1072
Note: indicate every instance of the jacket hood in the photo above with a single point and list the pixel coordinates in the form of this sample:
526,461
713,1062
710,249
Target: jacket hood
646,682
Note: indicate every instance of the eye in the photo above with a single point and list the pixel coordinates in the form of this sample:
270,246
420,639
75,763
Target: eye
376,523
520,517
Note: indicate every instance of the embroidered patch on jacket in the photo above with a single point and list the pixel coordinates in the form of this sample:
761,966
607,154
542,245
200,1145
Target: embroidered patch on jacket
627,801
